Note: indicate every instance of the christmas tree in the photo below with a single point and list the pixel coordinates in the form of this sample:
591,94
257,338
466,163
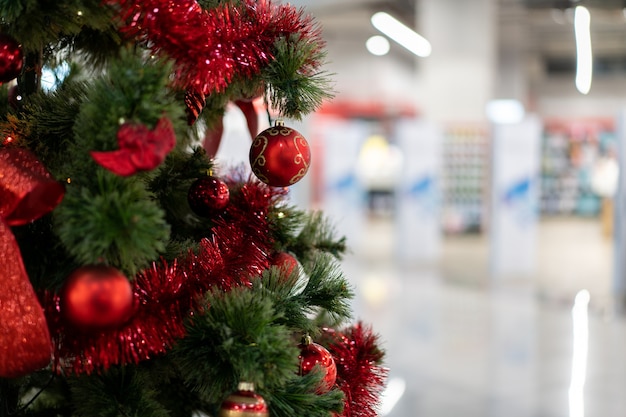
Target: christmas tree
140,277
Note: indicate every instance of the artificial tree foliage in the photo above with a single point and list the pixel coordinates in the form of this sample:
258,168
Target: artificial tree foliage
211,308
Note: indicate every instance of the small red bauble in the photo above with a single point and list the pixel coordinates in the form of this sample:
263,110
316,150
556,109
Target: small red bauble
285,261
244,403
280,156
208,196
96,297
11,58
312,355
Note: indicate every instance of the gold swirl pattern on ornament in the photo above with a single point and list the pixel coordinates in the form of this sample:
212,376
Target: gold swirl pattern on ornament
299,158
272,131
286,131
260,160
260,141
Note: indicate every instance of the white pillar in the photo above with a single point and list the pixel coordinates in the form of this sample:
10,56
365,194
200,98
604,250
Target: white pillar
458,78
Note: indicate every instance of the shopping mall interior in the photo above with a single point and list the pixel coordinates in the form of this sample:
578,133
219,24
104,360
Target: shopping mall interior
475,174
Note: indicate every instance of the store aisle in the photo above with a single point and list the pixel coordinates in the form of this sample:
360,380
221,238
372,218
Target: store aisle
460,344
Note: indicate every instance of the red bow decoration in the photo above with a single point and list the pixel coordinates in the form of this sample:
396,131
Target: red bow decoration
141,149
27,192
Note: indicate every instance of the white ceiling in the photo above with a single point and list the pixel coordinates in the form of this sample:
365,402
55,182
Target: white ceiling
541,27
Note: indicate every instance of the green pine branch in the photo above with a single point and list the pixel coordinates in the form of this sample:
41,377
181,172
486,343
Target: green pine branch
300,398
104,217
236,339
119,392
46,122
321,289
134,90
305,233
170,185
249,334
53,24
295,87
116,223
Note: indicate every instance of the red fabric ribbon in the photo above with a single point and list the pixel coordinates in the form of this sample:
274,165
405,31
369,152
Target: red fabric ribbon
141,149
27,192
213,137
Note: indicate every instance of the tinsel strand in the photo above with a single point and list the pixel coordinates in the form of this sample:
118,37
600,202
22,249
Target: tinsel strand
210,46
360,374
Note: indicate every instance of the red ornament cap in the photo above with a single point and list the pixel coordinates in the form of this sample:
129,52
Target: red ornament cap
244,403
312,355
280,156
97,297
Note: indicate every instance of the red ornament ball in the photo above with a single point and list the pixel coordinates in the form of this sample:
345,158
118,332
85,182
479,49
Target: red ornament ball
244,403
11,58
280,156
312,355
97,297
208,196
285,261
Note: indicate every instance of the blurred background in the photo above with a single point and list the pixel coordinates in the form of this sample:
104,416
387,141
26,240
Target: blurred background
472,158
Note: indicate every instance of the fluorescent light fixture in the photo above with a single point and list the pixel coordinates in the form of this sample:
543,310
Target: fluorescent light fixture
584,57
377,45
505,111
580,349
401,34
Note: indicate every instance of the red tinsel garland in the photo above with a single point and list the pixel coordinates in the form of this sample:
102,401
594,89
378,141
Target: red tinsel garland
359,372
210,47
166,294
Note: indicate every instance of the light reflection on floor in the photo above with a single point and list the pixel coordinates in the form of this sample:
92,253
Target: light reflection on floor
461,346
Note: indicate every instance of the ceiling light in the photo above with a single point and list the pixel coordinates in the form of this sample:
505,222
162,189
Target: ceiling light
584,56
377,45
401,34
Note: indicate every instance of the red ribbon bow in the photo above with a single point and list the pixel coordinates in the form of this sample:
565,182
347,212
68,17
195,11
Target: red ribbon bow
141,149
27,192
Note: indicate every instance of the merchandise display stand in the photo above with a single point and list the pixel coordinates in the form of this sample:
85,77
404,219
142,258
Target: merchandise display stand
571,151
516,151
418,195
465,179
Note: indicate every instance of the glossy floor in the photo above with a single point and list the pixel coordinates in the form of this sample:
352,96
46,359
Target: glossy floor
461,344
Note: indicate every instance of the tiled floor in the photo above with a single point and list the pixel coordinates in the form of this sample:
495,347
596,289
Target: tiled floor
461,344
